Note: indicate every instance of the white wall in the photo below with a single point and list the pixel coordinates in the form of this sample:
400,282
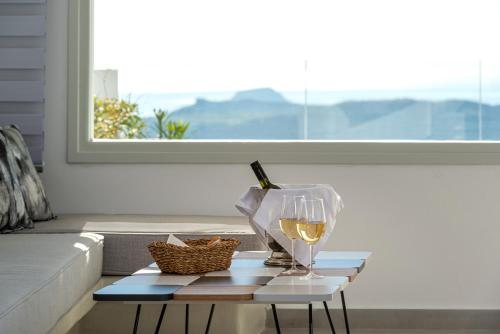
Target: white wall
434,229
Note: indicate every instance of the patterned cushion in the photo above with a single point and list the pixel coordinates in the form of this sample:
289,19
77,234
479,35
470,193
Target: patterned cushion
37,205
13,214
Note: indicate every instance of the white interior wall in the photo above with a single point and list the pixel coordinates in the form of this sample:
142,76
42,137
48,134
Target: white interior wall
434,229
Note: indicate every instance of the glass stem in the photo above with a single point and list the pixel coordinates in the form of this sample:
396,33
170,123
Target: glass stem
293,255
310,259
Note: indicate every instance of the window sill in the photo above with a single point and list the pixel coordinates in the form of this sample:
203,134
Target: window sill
281,152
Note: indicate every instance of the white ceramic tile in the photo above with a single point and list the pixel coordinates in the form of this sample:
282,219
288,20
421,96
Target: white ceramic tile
271,271
332,281
158,280
252,255
294,293
248,263
148,271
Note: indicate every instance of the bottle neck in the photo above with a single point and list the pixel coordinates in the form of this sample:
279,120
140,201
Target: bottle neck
265,183
262,177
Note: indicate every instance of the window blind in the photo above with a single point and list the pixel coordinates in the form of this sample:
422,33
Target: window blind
22,70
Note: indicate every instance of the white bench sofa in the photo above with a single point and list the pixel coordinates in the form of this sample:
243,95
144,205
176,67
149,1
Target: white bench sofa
48,274
43,276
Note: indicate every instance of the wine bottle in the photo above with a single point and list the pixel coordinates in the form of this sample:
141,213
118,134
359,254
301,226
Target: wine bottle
262,177
279,256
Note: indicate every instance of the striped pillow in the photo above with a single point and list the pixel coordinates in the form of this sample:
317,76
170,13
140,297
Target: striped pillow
37,204
13,214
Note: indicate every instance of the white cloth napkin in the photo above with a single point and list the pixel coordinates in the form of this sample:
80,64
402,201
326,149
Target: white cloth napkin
263,210
172,239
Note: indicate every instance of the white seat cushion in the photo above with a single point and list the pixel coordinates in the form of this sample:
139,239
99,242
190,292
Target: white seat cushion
127,236
138,224
43,275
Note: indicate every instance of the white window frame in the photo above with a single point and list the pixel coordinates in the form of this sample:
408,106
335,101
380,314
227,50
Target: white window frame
83,149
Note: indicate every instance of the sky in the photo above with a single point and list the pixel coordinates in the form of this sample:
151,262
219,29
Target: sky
349,45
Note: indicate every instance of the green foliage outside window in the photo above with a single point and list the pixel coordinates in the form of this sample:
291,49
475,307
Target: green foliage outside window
168,128
119,119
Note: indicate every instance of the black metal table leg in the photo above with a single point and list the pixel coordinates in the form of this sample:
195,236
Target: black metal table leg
311,319
186,320
348,330
162,313
329,317
275,316
210,318
137,315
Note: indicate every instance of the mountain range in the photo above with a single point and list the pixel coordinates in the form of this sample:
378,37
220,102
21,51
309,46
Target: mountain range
266,114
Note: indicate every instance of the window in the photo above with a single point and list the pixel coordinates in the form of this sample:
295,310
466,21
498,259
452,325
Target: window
287,81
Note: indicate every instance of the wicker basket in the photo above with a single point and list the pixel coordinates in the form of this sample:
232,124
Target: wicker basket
196,259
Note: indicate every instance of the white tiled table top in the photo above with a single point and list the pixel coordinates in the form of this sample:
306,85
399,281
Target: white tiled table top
252,255
294,293
340,282
269,271
294,289
284,289
330,255
148,271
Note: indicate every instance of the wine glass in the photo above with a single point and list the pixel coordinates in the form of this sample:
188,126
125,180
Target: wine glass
311,227
290,207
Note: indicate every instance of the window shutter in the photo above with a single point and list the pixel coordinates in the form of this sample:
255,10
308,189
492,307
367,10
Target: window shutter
22,70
